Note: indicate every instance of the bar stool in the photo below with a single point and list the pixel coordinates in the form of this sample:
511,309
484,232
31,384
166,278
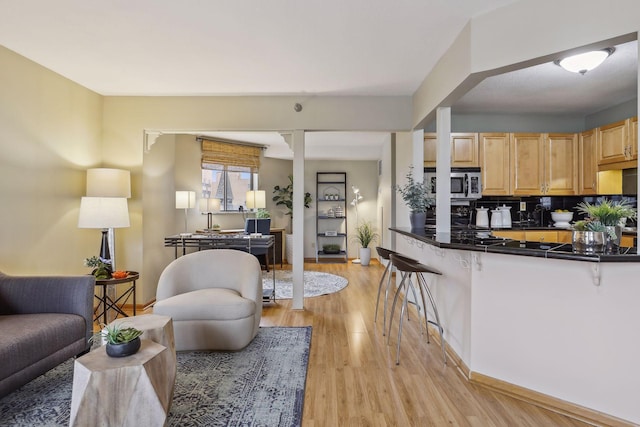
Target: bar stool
384,254
407,267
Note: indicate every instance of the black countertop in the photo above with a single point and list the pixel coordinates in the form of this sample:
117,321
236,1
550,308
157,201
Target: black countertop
483,241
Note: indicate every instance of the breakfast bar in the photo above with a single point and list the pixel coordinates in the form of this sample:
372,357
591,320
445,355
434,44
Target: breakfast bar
537,320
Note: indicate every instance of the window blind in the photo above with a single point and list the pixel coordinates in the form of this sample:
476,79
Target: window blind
230,154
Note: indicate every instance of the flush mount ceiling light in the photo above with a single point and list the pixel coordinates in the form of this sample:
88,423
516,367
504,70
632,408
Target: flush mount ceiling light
585,61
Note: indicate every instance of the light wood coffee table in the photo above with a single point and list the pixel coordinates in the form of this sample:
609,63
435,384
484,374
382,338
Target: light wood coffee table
123,391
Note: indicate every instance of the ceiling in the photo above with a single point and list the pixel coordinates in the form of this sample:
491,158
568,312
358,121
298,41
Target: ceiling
288,47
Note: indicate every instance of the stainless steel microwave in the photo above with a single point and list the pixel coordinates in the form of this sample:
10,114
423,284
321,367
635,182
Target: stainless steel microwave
466,183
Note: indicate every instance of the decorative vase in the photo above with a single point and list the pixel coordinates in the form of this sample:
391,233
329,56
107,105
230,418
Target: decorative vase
365,256
612,244
588,242
124,349
418,219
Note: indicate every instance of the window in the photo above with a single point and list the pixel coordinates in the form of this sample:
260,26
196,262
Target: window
228,172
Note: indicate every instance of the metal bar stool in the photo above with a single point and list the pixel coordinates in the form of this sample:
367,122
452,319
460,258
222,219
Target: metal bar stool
407,267
384,254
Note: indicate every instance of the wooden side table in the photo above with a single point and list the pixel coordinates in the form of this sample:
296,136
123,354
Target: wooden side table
106,302
128,391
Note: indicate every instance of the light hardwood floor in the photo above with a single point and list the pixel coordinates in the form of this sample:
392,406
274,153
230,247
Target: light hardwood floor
353,380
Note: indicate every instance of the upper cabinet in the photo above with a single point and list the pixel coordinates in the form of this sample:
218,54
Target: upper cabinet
464,149
544,164
615,143
588,163
494,158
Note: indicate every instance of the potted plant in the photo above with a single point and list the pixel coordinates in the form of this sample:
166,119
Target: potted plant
365,236
121,340
262,213
101,269
283,196
415,195
609,214
588,237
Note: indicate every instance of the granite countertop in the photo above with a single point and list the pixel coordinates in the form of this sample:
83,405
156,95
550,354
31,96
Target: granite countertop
483,241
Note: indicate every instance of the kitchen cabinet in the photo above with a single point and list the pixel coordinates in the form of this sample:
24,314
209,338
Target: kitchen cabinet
544,164
541,236
509,234
614,144
464,149
494,164
588,163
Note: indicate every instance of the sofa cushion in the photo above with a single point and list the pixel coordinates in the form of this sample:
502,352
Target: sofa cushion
206,304
27,338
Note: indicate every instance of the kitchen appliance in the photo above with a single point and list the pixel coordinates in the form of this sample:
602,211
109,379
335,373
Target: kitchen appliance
466,183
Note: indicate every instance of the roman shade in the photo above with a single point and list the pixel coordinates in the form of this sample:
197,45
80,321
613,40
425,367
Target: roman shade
230,154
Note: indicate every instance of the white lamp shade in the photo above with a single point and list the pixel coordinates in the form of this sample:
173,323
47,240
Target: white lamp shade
256,199
103,212
209,205
185,199
104,182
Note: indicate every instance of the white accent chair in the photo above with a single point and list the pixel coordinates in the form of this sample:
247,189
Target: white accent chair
214,298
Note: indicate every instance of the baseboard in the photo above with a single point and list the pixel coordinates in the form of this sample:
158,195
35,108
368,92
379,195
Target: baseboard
550,403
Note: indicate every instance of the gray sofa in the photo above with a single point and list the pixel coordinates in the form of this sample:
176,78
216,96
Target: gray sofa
44,320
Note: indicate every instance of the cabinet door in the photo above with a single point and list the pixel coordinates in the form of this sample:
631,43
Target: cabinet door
430,144
613,143
588,175
560,164
527,164
633,138
541,236
515,235
464,149
494,163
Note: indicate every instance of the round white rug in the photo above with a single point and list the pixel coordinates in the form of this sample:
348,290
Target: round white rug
315,283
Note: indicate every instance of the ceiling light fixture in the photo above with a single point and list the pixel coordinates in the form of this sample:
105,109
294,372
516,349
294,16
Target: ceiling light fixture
584,62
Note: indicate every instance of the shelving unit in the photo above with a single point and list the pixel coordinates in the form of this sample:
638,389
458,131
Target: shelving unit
331,215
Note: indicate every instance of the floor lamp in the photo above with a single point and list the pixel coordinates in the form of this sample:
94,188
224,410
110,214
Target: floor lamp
185,200
256,200
357,197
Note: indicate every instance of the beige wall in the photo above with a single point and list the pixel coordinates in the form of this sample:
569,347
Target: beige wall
50,133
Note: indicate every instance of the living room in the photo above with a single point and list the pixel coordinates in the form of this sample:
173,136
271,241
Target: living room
55,128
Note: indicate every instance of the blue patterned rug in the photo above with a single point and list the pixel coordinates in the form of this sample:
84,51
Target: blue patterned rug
262,385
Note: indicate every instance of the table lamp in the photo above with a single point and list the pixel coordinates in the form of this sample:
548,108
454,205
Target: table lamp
256,200
185,200
104,213
209,206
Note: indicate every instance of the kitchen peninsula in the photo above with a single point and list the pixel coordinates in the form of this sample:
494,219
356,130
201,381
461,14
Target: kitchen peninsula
537,321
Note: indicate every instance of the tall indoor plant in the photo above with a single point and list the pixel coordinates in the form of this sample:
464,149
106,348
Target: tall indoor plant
283,196
365,235
416,196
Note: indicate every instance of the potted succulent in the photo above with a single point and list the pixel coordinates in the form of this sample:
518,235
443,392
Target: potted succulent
101,269
609,216
415,195
365,236
588,236
121,340
283,196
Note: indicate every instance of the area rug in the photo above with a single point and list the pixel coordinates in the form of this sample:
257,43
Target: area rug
315,283
262,385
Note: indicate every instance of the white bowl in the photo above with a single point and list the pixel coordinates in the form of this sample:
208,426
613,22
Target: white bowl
561,216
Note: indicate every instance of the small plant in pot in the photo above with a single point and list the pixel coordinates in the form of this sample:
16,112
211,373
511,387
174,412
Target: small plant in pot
365,236
609,214
121,340
416,195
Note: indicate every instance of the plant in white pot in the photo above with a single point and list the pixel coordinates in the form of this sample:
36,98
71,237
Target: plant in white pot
365,235
283,196
416,196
